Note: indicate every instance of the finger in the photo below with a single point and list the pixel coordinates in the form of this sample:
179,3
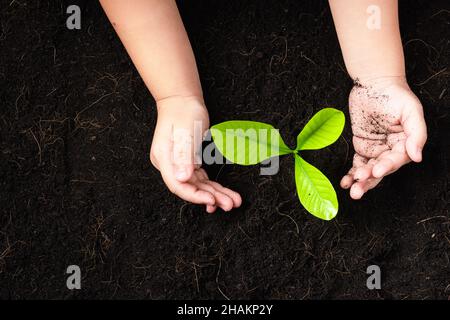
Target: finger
364,172
348,179
235,197
389,162
185,190
193,194
203,176
359,188
222,200
210,209
200,175
416,133
182,154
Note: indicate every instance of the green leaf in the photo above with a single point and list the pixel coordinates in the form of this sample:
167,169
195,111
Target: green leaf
248,142
323,129
315,191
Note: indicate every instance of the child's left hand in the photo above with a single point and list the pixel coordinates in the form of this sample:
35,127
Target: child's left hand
389,131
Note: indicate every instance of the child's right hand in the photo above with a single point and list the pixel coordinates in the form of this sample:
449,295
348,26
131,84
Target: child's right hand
173,153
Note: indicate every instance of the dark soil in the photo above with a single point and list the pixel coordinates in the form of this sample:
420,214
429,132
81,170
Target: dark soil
77,187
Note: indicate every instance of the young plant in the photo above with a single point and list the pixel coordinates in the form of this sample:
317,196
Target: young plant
250,142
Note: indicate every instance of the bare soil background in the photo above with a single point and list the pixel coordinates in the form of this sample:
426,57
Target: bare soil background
76,185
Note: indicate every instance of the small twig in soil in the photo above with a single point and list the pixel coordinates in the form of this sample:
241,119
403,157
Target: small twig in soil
431,77
283,58
219,172
448,240
181,212
217,280
286,215
39,146
431,218
218,288
196,277
307,58
246,234
22,92
424,43
91,105
440,11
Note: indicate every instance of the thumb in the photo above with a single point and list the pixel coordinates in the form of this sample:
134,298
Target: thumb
416,133
182,155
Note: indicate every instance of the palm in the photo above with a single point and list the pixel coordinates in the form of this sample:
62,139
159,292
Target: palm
388,130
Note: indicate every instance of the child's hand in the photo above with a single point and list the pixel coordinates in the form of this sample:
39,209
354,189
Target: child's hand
173,151
154,36
389,131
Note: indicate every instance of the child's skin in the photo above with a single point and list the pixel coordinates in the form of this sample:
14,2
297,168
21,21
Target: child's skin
387,118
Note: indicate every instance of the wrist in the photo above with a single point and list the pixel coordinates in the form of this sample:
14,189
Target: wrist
375,68
380,82
179,100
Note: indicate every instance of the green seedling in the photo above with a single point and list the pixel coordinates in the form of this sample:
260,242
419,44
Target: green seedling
250,142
